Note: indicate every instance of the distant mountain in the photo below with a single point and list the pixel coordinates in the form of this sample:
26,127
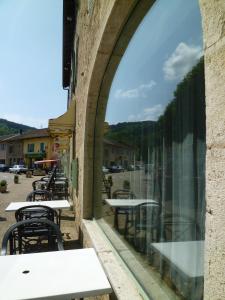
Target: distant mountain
129,132
7,127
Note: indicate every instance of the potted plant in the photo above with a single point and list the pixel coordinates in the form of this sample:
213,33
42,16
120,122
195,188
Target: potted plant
16,178
3,186
29,174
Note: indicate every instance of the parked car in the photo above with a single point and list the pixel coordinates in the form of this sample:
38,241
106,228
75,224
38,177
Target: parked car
105,170
131,168
4,168
116,169
17,169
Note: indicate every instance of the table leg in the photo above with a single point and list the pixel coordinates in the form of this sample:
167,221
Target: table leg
116,225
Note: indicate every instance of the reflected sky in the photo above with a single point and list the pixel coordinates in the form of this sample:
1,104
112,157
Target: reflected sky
165,47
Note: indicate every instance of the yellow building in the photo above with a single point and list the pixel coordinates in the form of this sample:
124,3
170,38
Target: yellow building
61,130
37,145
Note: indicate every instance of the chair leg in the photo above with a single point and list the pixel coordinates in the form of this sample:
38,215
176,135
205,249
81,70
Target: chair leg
59,220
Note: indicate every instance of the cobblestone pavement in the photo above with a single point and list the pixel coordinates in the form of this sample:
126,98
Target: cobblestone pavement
17,193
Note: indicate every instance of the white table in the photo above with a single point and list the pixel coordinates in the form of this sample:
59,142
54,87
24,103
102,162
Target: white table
128,202
58,275
60,182
55,204
61,179
188,257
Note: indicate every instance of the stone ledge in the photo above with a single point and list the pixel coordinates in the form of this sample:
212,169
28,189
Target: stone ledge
120,279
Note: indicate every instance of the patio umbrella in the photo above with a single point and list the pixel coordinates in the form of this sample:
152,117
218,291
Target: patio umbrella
46,161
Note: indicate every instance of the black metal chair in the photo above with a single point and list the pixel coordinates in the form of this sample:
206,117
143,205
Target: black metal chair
31,236
45,185
60,189
37,212
39,195
39,185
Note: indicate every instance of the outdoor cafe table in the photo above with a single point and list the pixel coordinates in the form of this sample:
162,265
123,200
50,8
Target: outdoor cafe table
126,203
53,275
55,204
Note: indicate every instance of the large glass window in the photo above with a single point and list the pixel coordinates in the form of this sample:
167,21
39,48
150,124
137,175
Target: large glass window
154,153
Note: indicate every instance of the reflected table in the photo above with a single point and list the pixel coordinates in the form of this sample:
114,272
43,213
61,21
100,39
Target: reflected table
186,256
126,203
186,259
53,275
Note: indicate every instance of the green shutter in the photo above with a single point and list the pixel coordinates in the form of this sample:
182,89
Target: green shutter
74,174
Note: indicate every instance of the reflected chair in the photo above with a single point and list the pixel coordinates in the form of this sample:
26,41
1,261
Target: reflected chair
127,211
177,227
106,186
30,236
146,225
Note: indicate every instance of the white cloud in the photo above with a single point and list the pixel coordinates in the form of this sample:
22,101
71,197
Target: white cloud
181,61
148,114
139,92
29,121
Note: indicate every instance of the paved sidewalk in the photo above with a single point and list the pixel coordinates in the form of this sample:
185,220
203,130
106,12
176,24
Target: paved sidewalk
17,193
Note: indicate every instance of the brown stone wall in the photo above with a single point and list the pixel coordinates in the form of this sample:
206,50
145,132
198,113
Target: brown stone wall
213,14
97,32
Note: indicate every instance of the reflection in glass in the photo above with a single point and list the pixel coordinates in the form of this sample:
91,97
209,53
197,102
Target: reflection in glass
154,151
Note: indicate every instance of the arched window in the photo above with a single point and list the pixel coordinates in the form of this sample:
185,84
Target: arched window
154,153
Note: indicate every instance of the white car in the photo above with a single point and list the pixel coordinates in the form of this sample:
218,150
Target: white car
18,169
105,170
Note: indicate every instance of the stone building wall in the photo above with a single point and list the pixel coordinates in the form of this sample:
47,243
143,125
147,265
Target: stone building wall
213,16
97,31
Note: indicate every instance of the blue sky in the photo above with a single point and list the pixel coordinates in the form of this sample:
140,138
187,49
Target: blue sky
31,61
164,48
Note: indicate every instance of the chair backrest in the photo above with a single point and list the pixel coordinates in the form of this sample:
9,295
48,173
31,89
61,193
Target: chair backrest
17,236
39,195
37,212
51,180
36,185
179,227
123,194
147,214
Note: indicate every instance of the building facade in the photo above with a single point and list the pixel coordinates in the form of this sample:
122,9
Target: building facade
127,61
117,154
27,148
11,150
37,145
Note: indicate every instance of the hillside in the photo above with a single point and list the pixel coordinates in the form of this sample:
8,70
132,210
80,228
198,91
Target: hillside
135,134
7,127
129,132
